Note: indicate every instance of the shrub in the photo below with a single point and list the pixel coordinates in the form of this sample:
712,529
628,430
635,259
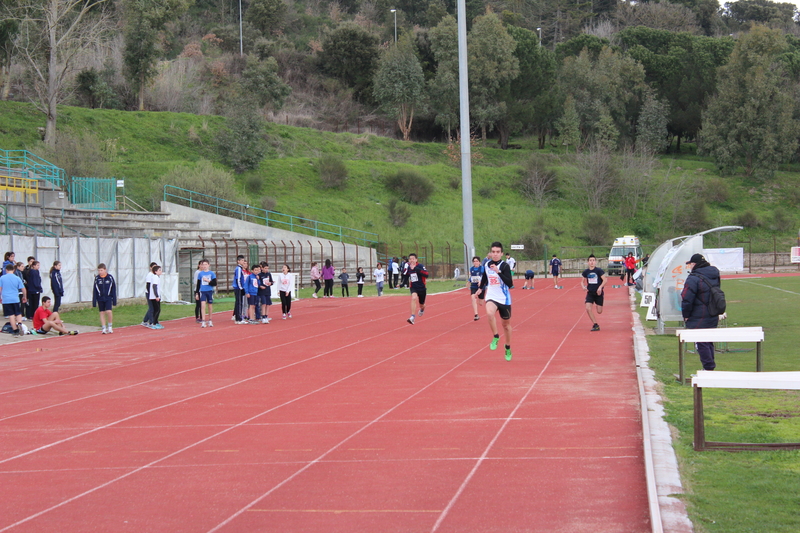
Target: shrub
748,219
716,191
332,171
781,220
241,143
205,179
410,186
537,183
268,202
596,229
534,242
398,213
253,184
694,216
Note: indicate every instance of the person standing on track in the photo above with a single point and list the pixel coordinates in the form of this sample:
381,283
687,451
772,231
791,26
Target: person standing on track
360,280
285,288
206,281
315,277
475,275
378,274
12,295
104,297
239,296
555,270
328,273
630,268
251,288
593,280
495,285
154,296
265,291
417,276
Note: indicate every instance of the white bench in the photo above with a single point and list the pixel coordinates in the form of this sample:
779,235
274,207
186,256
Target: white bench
738,380
750,334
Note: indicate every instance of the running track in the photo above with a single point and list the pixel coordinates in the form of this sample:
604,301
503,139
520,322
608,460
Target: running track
341,419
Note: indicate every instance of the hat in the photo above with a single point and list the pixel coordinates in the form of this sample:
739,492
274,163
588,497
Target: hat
696,258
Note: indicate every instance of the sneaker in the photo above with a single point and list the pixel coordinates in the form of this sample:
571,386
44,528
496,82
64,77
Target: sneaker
314,295
158,326
596,327
252,321
105,331
284,316
289,315
198,320
267,320
110,330
202,324
476,317
421,312
360,295
145,324
508,354
210,324
410,320
73,332
240,322
233,318
493,345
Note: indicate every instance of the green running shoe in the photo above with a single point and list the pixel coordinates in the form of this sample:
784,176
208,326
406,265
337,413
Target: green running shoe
493,346
508,354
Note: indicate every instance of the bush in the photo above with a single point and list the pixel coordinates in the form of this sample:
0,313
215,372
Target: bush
716,191
534,242
398,213
781,220
695,216
332,172
268,203
205,179
748,219
537,183
241,143
253,184
410,186
597,229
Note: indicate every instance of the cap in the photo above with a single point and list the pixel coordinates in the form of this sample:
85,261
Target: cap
696,258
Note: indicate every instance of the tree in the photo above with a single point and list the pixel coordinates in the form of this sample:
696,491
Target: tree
146,20
8,32
443,88
491,64
266,15
50,37
569,125
261,81
651,130
399,84
241,143
750,120
350,53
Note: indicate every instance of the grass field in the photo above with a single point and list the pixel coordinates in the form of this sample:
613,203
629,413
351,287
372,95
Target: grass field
741,492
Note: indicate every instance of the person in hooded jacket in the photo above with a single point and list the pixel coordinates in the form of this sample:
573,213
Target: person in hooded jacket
694,304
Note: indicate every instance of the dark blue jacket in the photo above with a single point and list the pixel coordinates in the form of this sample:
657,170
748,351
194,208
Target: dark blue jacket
695,295
34,282
56,283
105,289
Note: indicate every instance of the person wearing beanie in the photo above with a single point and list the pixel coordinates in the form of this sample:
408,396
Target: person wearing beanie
694,304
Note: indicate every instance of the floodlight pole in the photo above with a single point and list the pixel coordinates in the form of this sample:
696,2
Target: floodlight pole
241,40
395,23
540,36
466,153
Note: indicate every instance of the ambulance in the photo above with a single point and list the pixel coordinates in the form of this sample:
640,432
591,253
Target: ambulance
619,251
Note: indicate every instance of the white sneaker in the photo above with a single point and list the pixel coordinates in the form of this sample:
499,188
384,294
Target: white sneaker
268,320
202,324
284,316
105,330
210,324
314,295
110,330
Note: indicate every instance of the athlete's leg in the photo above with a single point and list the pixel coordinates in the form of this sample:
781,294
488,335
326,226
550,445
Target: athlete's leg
491,311
507,330
414,303
590,313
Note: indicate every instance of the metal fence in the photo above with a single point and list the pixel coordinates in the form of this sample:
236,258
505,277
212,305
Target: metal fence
93,193
33,167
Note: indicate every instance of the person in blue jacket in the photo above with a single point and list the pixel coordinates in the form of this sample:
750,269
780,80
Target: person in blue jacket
694,304
104,297
56,285
474,280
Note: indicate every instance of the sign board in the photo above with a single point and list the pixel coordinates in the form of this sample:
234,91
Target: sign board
795,254
651,313
120,184
648,299
517,246
726,259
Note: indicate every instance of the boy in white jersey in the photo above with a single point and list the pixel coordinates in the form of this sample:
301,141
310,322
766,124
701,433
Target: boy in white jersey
495,284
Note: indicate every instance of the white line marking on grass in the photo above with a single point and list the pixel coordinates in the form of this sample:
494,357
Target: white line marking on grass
767,286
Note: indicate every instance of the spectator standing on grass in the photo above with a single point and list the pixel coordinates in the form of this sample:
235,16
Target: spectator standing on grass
593,280
34,288
12,295
404,272
695,298
512,264
474,281
285,288
56,285
315,277
390,262
154,296
345,278
265,292
360,277
328,274
395,273
555,270
495,285
239,296
378,274
45,320
206,281
104,297
148,316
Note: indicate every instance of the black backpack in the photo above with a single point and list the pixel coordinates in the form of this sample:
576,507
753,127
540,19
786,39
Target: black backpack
716,298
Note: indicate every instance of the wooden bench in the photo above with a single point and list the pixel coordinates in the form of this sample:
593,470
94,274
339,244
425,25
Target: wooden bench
738,380
751,334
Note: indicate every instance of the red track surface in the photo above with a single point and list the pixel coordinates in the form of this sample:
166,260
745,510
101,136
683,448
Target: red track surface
341,419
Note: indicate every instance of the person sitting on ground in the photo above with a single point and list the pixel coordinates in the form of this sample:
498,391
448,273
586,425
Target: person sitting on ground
45,320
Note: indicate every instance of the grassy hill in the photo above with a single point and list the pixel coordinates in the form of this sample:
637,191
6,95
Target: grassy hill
142,146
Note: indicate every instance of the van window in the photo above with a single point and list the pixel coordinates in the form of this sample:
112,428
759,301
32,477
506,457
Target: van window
623,251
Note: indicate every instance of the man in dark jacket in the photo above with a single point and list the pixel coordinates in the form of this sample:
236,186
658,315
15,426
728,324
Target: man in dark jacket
694,304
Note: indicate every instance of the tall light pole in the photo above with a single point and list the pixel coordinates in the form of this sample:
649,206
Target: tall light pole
540,35
241,40
466,153
395,23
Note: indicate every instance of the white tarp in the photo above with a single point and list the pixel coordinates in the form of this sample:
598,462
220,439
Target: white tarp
127,260
726,259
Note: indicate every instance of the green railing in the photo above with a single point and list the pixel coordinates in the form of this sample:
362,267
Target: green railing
93,193
33,166
7,230
272,219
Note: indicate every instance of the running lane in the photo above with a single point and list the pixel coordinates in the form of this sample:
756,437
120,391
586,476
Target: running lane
344,418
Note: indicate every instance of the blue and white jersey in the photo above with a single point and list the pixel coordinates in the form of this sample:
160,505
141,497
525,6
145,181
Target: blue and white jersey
475,275
496,288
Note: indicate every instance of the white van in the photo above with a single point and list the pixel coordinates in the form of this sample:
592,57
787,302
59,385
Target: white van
619,251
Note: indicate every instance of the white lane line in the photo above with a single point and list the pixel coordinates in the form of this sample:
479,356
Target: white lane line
767,286
206,439
485,453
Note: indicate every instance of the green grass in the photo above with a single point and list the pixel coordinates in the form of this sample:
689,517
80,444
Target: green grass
130,315
747,491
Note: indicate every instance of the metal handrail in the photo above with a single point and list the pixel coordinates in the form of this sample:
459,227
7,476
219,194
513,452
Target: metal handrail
7,218
220,206
25,161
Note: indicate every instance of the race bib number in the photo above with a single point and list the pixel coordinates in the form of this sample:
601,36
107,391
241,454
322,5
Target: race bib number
205,280
494,280
475,279
413,277
592,280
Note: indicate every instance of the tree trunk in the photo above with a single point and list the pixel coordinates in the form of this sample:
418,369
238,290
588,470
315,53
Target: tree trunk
678,145
141,93
505,134
5,81
542,139
52,75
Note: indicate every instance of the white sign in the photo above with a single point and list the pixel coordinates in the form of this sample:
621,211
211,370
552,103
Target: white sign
120,184
648,299
795,254
726,259
517,246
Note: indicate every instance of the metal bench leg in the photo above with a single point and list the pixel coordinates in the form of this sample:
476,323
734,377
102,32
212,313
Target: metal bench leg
681,375
759,358
699,421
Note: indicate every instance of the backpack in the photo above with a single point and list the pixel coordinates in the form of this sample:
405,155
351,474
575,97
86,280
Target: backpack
7,328
716,298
